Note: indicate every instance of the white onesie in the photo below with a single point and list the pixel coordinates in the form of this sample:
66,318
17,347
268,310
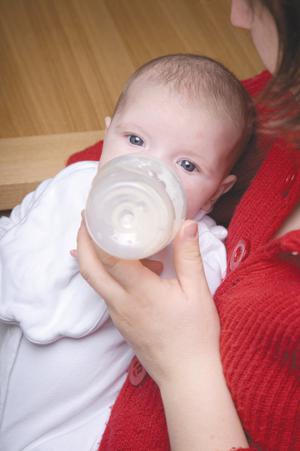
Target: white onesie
62,362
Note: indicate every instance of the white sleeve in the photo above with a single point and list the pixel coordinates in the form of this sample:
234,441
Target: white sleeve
213,251
21,210
41,288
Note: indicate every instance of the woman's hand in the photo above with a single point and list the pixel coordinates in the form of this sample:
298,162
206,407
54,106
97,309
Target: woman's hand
171,324
174,329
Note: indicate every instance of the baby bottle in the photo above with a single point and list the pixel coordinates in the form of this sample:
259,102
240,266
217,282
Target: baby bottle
135,207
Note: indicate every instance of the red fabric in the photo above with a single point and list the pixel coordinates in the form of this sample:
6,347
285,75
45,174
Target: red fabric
256,84
92,153
259,308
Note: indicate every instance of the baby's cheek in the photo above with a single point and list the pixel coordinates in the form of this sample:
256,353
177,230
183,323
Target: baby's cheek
113,151
198,195
192,212
194,203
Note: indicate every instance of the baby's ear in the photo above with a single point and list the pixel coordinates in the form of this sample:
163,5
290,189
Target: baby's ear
224,186
227,184
107,121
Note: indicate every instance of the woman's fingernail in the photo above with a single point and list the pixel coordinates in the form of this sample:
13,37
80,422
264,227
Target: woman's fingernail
190,230
73,252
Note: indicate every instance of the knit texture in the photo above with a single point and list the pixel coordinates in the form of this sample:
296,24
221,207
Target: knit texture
259,308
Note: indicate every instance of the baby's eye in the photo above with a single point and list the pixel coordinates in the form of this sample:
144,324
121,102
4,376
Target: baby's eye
187,165
135,140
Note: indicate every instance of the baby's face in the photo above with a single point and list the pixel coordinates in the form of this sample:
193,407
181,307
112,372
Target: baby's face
196,145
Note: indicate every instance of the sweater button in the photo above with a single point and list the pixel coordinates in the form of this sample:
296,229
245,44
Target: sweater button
239,254
288,183
137,372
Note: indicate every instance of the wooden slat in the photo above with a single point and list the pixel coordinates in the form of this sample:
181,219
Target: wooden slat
63,64
47,155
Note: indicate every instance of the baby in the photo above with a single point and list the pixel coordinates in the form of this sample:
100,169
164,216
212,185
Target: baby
62,361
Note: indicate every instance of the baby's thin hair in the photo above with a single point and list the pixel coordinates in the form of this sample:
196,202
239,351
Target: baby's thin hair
196,77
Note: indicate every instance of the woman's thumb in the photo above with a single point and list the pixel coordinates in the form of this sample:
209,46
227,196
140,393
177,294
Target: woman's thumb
187,258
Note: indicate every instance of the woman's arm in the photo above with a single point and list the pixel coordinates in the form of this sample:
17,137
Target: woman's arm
199,410
173,327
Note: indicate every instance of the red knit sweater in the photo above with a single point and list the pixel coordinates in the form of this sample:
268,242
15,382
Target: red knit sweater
259,308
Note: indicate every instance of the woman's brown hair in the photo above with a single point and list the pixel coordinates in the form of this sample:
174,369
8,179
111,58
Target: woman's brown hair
280,116
282,95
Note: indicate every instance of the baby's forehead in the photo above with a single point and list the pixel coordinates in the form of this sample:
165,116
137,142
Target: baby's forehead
149,90
186,94
151,94
202,104
145,83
